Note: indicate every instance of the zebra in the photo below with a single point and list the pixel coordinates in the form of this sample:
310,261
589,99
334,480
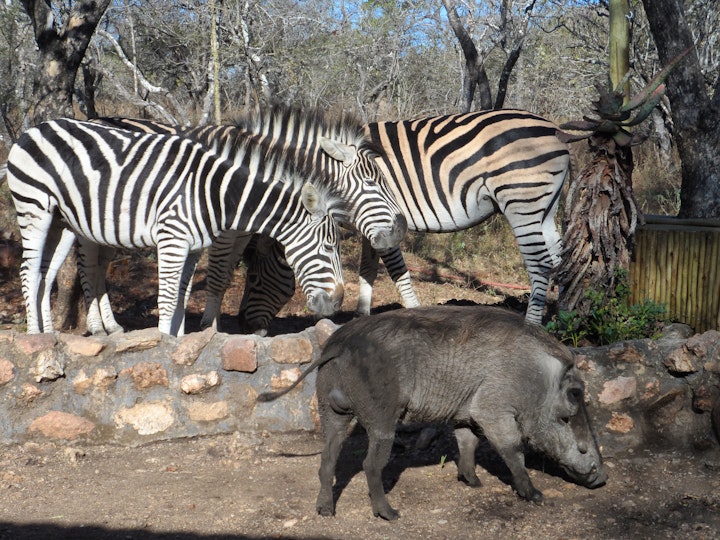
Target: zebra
335,148
449,173
110,188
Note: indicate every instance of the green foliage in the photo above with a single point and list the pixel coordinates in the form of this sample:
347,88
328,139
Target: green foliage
610,318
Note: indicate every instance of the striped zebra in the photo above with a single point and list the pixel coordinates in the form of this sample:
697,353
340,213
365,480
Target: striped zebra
334,148
449,173
110,188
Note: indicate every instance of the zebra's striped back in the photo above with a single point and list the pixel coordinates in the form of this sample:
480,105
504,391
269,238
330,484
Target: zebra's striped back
445,171
117,188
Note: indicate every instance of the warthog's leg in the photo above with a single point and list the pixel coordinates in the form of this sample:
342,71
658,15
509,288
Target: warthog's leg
505,437
335,428
467,443
380,443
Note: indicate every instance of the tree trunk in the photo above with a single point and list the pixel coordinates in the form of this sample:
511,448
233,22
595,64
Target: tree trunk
475,75
696,115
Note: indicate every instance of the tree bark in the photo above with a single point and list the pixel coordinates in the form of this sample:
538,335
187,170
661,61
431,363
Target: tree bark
696,115
61,50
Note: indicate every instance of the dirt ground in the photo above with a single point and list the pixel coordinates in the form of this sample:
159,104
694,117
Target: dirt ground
262,486
257,485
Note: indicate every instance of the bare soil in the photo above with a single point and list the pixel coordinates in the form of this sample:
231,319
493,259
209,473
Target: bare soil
258,485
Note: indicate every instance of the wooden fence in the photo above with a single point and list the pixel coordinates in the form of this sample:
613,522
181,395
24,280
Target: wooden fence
677,262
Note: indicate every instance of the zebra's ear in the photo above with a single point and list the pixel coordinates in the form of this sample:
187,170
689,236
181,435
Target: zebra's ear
344,153
313,201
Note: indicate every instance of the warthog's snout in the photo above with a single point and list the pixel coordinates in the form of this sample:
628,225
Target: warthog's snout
387,239
597,477
323,304
592,476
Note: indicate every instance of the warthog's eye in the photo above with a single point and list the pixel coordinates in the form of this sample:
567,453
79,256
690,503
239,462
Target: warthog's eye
575,396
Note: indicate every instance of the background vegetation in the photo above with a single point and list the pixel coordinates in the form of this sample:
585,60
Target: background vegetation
201,61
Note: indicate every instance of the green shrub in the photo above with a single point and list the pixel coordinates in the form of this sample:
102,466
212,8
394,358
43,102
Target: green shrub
609,319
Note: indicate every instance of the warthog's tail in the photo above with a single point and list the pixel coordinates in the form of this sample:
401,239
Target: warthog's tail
271,396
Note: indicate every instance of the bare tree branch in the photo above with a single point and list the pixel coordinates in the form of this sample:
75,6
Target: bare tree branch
144,83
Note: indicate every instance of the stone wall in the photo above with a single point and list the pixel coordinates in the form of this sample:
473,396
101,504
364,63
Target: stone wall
661,393
142,386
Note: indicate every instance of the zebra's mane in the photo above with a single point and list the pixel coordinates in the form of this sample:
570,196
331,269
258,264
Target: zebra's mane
285,170
290,123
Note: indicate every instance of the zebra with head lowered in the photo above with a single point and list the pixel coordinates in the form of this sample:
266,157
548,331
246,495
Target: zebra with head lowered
335,148
449,173
112,188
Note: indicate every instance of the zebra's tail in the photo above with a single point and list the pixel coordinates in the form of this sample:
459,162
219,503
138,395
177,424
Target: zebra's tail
3,173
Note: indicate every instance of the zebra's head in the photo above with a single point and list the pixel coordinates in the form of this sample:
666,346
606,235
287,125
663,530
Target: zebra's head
312,248
373,210
337,148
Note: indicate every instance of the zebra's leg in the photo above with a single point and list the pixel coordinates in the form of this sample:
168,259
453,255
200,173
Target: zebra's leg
369,260
34,235
172,258
59,243
46,244
223,257
186,285
34,229
87,262
107,254
540,246
395,264
93,261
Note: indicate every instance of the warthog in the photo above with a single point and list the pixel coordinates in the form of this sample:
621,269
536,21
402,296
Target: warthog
480,369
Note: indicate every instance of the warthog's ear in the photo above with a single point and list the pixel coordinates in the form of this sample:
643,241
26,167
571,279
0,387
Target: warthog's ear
313,201
572,395
342,152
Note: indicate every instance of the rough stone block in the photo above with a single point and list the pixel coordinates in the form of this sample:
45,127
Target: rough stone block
624,352
106,377
197,383
61,425
620,423
81,383
7,373
34,343
239,354
84,346
618,390
323,330
138,340
29,393
680,361
291,350
208,412
49,365
148,374
191,346
146,418
286,378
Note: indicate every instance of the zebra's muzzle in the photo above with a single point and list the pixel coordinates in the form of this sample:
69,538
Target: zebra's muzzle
392,238
323,304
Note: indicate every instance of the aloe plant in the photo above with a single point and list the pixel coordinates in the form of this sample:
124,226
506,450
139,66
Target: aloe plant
613,115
